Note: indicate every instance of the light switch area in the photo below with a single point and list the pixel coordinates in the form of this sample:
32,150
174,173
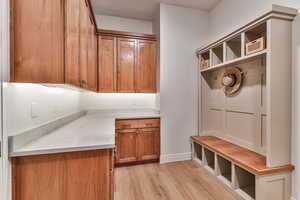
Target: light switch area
35,110
30,105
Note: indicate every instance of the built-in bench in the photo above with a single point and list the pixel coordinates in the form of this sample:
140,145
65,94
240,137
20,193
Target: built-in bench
242,170
253,162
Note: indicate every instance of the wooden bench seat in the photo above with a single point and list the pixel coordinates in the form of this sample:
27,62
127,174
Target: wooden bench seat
253,162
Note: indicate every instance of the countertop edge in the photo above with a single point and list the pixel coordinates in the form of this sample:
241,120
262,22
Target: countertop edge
18,152
60,150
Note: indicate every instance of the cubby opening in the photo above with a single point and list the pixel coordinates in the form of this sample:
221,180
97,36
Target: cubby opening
234,48
198,151
245,183
217,55
209,158
256,33
204,60
224,168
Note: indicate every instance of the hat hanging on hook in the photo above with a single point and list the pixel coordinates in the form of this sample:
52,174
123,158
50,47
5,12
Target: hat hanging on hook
232,80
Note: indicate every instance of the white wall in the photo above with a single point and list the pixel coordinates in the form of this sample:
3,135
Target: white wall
181,32
124,24
156,31
49,104
228,15
120,101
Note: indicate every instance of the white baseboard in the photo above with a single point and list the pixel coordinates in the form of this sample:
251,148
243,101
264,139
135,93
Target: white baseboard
167,158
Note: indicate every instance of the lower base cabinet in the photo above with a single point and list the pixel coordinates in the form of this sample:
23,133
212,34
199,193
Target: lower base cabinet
82,175
138,140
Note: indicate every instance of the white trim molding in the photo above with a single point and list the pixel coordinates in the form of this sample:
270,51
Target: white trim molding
167,158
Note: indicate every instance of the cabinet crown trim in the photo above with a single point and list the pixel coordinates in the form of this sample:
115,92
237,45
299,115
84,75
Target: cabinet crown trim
105,32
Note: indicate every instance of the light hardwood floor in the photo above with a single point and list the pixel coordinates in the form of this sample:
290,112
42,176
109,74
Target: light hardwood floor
172,181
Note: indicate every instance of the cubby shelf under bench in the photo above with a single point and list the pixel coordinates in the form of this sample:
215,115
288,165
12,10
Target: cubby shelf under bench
241,169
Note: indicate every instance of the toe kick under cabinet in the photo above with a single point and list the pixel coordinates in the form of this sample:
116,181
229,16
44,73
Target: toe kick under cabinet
138,141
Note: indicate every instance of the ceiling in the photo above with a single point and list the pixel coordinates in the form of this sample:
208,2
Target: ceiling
144,9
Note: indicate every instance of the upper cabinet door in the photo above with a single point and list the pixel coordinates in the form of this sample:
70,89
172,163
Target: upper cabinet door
92,69
37,41
84,43
146,67
72,53
126,65
107,64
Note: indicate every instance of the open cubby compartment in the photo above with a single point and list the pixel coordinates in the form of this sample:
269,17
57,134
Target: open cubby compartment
204,60
198,151
224,170
209,159
245,183
256,33
234,48
217,55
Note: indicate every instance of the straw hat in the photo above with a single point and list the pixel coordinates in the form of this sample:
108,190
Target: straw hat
232,80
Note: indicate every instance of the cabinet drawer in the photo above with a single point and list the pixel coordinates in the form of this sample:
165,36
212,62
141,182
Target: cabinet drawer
126,124
149,123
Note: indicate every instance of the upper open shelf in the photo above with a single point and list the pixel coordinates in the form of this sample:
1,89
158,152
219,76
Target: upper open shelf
238,48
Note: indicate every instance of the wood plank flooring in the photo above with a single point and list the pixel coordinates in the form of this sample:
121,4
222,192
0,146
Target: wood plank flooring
172,181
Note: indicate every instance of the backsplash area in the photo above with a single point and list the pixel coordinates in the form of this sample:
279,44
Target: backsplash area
119,101
27,106
30,105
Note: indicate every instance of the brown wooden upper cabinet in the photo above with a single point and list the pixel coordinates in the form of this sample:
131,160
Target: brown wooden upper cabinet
126,65
127,62
81,46
57,41
107,56
37,41
54,41
72,61
146,66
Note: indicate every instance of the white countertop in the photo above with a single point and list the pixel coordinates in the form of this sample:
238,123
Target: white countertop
96,130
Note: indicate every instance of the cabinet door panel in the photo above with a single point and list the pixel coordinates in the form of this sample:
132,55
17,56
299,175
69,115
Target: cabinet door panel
84,43
72,42
107,64
146,67
64,176
149,144
39,177
126,146
92,69
126,64
94,169
37,41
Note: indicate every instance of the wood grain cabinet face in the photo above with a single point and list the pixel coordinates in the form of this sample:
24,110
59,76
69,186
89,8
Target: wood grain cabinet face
91,81
37,41
137,140
81,46
107,64
72,49
66,176
146,67
149,143
126,65
126,146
